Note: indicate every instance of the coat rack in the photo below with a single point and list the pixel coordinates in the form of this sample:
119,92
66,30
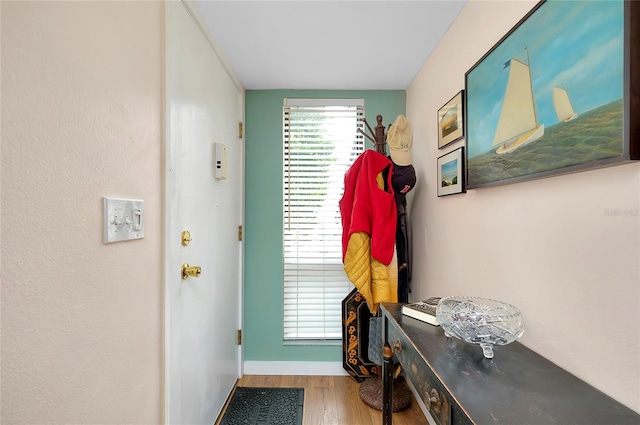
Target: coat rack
371,389
379,139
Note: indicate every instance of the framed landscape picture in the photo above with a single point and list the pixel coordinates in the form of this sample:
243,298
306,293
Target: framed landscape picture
451,173
451,120
554,95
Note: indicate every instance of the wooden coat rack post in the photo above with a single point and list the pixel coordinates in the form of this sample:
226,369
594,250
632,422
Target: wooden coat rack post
378,137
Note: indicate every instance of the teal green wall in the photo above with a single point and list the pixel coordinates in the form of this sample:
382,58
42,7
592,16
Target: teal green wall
262,329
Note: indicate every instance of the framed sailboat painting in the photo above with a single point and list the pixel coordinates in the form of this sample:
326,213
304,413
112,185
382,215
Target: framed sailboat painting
555,94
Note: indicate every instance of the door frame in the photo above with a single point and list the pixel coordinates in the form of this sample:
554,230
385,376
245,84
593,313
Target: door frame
171,238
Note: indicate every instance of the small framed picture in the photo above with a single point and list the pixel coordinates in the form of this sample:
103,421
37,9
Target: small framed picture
451,173
451,121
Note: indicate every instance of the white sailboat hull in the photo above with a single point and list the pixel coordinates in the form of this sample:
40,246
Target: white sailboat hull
525,139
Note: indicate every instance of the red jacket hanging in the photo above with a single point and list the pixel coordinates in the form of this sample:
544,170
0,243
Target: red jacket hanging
365,207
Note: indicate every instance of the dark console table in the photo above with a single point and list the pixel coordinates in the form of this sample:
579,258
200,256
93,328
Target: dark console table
459,386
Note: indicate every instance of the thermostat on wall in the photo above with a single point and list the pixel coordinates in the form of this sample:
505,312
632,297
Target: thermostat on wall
220,161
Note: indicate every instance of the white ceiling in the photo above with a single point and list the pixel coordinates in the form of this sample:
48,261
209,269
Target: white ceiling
328,45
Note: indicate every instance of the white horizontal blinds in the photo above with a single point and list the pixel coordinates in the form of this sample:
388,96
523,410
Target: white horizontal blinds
321,141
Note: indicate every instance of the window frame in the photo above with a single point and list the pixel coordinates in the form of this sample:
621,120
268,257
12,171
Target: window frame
326,267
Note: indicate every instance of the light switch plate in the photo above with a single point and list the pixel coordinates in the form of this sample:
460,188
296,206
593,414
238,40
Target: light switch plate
123,219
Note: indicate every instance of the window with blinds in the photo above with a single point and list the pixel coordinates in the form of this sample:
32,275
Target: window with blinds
321,141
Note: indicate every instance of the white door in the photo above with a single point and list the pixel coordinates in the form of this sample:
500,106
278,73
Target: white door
204,107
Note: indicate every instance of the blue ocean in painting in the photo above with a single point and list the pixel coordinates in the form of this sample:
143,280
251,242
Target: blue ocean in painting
574,45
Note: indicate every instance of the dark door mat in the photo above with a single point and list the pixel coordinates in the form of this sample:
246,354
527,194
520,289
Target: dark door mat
264,406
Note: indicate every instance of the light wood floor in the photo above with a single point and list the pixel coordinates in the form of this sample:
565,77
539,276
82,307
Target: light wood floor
334,400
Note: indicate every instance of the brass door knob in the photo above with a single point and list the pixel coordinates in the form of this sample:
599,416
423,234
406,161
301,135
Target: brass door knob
193,271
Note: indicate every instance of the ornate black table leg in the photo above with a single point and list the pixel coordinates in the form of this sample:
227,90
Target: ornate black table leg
387,384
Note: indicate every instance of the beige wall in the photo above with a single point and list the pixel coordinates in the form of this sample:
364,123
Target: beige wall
547,246
81,119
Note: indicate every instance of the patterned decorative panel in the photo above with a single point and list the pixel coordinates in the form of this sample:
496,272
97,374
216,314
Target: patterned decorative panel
355,337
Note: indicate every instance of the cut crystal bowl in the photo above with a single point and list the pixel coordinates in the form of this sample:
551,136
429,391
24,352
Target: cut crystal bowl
481,321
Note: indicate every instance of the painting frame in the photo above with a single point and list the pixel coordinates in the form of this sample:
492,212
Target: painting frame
451,173
577,147
451,130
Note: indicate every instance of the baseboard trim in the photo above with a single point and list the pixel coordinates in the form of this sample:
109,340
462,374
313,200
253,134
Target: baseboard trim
294,368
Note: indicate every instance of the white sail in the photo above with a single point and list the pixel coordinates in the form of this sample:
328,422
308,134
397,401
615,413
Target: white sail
562,105
518,123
